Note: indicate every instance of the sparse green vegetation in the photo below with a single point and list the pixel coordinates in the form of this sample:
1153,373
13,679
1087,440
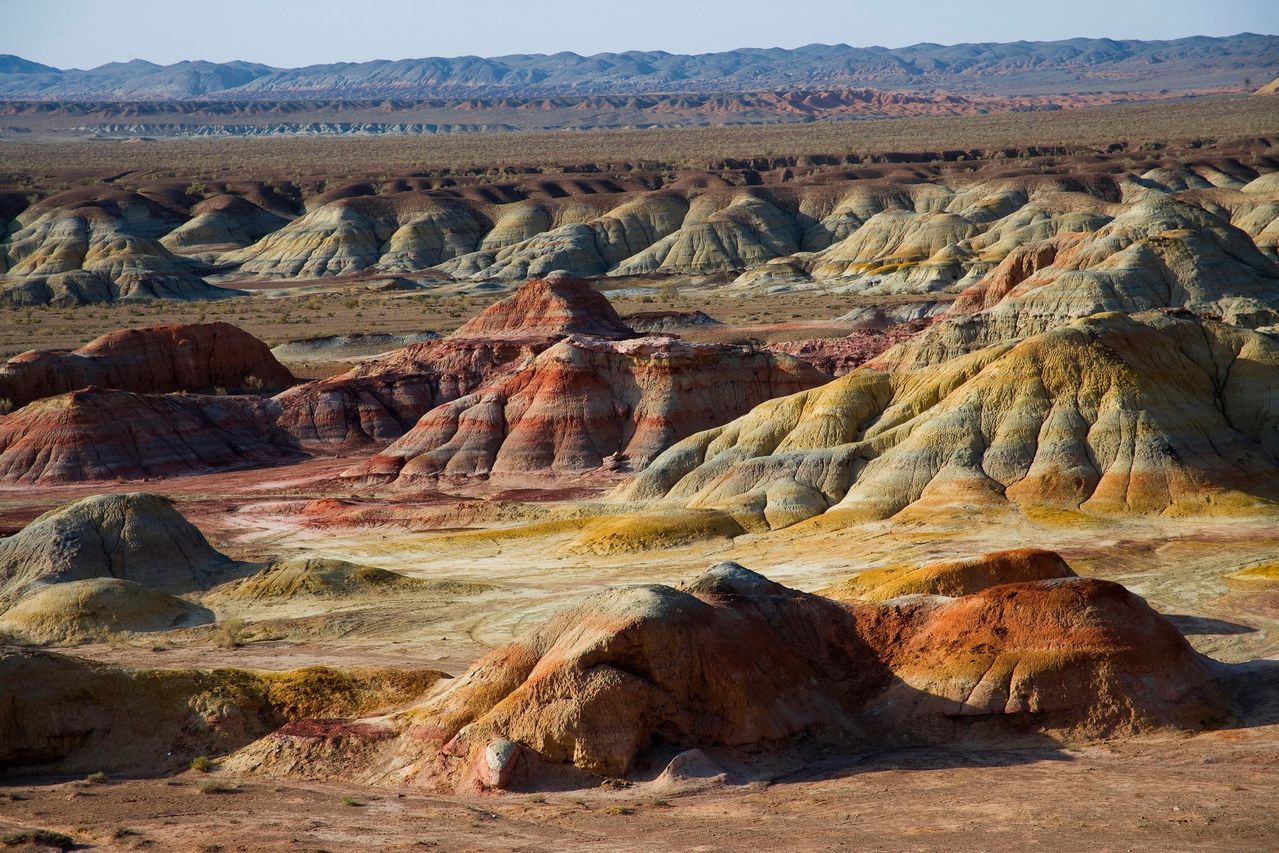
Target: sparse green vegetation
202,764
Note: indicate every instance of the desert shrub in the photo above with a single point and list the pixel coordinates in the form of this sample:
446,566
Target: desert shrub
201,763
231,633
40,838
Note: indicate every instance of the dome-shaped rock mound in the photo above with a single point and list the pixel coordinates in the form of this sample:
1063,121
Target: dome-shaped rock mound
733,660
586,400
319,577
555,306
952,577
1164,412
95,609
97,434
199,357
383,398
137,537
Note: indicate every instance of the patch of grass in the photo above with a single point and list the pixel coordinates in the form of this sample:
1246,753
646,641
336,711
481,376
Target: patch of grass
619,810
201,763
216,786
40,838
98,778
352,802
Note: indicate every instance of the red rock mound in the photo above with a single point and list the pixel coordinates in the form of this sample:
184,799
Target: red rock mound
733,660
97,434
1019,265
587,400
552,307
382,399
155,360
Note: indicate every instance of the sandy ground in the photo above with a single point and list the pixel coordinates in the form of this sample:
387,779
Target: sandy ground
1211,792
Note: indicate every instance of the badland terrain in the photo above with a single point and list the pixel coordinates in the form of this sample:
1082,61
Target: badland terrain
906,483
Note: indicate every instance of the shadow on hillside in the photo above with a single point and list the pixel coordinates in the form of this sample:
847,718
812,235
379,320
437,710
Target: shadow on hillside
1254,692
1203,625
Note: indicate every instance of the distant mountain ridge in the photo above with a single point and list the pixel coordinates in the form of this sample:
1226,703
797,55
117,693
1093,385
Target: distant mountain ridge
1073,65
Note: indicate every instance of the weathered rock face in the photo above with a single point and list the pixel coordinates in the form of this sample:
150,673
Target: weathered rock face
735,660
383,398
96,434
1162,413
953,577
83,254
154,360
136,537
586,399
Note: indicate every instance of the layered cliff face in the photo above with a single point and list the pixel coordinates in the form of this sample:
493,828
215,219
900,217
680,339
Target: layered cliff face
383,398
588,399
1162,413
99,434
199,357
733,660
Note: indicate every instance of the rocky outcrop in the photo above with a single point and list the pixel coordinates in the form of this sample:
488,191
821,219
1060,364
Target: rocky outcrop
200,357
952,578
98,434
383,398
735,661
838,356
587,400
136,537
662,322
552,307
1162,413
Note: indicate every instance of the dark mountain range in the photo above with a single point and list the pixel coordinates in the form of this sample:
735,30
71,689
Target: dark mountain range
1071,66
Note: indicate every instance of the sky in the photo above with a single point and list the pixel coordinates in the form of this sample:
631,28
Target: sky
291,33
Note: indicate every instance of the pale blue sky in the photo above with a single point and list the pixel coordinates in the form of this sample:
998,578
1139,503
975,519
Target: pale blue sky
85,33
